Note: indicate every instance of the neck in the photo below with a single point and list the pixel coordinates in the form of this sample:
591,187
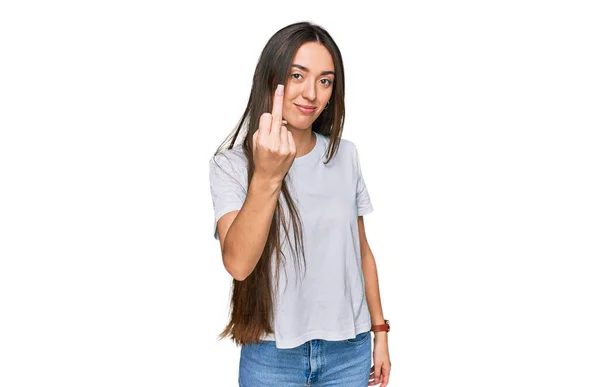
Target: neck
304,139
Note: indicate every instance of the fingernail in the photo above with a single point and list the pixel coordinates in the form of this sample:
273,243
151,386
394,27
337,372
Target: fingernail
280,89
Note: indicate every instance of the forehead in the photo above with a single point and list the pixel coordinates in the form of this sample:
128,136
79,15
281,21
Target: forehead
315,57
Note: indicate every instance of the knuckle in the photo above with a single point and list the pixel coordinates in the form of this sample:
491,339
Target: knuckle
264,121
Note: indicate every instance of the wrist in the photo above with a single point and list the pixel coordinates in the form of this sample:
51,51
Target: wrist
380,328
263,184
380,338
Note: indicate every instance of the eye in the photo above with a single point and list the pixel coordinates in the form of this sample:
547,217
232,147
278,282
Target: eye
298,76
327,82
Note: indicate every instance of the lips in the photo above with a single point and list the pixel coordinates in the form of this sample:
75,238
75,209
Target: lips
306,109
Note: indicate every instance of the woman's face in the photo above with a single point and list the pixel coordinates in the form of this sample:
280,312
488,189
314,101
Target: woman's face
309,86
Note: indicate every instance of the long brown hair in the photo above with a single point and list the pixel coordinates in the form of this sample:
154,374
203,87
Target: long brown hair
252,300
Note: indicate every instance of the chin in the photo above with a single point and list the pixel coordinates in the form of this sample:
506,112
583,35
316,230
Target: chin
303,126
299,124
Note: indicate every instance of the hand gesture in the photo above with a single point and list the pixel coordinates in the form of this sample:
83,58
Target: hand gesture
273,146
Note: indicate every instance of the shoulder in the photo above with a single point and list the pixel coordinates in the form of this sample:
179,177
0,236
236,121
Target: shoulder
348,151
232,159
346,147
229,166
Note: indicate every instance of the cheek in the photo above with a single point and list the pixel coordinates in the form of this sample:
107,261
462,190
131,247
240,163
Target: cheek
327,96
287,107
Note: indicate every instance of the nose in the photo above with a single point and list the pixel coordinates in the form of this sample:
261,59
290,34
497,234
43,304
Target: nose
309,91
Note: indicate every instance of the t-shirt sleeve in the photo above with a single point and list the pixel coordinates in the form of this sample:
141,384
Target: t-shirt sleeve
227,186
363,200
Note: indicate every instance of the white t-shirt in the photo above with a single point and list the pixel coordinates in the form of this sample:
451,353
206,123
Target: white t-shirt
329,302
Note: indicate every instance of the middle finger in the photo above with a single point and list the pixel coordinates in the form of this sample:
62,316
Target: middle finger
277,112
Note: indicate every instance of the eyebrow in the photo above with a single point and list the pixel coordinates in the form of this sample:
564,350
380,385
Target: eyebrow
307,70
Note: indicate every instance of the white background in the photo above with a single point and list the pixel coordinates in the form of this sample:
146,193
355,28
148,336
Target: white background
478,129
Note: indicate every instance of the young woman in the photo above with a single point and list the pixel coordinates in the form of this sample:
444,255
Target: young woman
293,178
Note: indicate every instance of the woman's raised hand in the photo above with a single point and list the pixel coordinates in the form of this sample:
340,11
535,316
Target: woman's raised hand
273,146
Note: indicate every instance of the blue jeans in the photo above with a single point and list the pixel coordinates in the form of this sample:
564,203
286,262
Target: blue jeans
314,363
